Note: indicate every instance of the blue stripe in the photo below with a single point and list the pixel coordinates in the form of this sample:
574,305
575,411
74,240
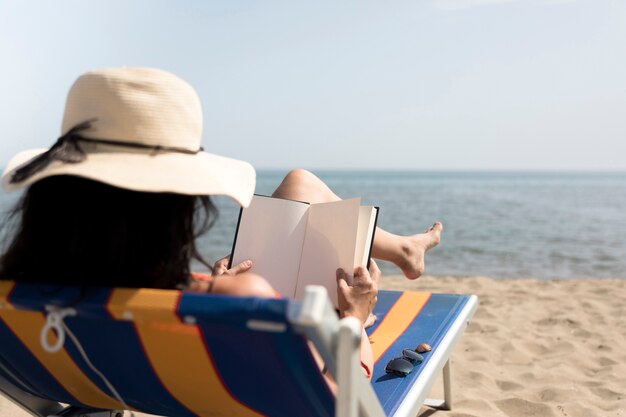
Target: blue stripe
89,301
386,300
17,359
273,373
124,363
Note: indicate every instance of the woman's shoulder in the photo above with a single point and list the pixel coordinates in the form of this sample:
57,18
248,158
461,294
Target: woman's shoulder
246,284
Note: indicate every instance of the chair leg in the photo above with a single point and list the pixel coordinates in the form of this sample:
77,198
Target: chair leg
447,385
446,403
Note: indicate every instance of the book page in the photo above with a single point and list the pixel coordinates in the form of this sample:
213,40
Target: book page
271,234
329,244
365,235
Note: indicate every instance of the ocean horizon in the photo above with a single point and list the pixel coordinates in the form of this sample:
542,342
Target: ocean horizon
502,224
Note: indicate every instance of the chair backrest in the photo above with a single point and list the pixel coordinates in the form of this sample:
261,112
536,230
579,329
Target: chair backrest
165,352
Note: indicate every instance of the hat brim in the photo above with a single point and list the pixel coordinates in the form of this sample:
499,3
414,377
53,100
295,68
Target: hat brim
198,174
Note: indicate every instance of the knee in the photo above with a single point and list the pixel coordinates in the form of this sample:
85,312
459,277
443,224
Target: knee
302,185
299,176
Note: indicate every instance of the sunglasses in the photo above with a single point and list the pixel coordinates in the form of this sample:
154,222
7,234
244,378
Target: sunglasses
403,366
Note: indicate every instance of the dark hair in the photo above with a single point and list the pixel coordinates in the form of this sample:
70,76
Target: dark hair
72,230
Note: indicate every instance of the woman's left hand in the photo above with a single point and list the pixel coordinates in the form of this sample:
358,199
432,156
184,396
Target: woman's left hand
221,267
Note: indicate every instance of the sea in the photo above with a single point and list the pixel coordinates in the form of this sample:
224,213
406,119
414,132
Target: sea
545,225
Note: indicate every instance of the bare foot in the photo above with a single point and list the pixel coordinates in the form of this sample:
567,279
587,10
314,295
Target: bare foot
414,247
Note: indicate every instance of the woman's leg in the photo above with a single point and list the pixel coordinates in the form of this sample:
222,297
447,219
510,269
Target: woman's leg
407,252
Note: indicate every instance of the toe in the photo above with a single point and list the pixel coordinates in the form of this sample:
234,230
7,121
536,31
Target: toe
435,233
436,226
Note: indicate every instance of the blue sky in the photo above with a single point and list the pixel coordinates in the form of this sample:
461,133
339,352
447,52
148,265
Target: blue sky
431,84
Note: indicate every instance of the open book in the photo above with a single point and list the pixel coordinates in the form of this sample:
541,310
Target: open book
294,244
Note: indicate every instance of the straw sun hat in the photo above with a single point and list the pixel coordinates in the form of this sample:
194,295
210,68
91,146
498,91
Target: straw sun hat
134,128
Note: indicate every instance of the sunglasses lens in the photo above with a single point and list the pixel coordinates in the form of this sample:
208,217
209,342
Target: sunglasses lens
399,366
412,356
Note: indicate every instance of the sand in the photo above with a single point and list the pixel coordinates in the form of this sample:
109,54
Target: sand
537,348
534,348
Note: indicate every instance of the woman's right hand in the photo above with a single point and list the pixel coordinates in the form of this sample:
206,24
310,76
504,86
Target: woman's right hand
358,300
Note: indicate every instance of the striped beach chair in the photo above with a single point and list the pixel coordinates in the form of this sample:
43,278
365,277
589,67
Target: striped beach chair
72,351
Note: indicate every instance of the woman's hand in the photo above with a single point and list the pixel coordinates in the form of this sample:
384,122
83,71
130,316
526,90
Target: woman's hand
358,300
221,267
236,281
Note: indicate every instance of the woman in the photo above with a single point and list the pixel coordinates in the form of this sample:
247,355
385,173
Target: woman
119,199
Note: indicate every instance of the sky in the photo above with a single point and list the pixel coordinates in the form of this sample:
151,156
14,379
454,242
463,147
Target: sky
419,85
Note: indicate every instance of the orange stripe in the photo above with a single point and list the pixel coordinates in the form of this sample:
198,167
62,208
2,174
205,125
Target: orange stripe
396,321
5,290
177,352
27,325
143,304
